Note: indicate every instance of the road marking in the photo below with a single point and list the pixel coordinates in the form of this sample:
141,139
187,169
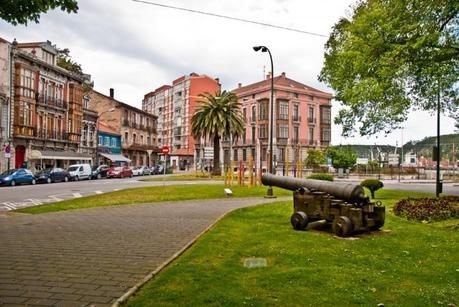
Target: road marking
99,192
34,201
116,189
77,195
9,206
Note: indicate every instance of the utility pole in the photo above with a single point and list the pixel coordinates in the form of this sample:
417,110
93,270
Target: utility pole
438,189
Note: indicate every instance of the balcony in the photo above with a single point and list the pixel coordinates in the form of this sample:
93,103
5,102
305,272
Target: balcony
50,101
139,146
50,134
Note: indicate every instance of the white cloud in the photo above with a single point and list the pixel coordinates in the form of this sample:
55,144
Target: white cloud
136,48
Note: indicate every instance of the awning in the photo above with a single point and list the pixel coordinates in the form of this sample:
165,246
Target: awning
115,158
58,155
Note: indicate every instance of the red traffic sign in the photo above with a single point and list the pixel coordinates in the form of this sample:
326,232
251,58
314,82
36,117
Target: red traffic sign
165,150
8,149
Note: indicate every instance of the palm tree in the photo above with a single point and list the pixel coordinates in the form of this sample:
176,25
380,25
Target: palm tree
216,116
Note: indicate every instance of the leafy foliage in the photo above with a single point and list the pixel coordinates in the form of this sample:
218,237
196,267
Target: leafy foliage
342,157
321,176
217,116
391,57
64,60
21,11
428,209
315,158
373,185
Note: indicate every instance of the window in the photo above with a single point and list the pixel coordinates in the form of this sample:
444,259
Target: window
281,155
283,110
295,135
263,131
126,137
100,140
311,114
283,131
295,113
244,114
85,131
326,134
254,113
235,158
27,83
311,135
141,139
263,111
107,141
325,115
295,95
244,155
254,135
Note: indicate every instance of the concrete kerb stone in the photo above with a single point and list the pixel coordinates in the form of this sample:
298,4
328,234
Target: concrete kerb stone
155,272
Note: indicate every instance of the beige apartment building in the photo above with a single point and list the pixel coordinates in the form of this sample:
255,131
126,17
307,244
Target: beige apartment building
138,129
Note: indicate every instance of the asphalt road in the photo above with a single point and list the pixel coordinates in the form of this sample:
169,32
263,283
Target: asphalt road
31,195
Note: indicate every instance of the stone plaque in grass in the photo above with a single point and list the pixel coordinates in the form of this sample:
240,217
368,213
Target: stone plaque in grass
255,263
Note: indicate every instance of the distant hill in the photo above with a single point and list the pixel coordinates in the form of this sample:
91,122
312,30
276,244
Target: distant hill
420,148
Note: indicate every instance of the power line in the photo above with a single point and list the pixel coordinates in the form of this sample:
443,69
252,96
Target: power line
229,17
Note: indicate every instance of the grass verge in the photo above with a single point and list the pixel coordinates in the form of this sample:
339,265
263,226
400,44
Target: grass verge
183,177
406,264
151,195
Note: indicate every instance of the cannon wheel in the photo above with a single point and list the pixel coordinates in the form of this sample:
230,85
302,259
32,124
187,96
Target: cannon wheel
378,224
342,226
299,220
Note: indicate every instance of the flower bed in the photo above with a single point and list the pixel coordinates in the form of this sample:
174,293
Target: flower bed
428,209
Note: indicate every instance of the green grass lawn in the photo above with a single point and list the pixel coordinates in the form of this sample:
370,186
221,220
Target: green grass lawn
151,195
405,264
184,177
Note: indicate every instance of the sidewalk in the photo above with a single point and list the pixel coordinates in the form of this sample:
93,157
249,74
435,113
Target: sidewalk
94,256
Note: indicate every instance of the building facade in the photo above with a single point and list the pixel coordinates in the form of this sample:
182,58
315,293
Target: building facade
109,146
302,120
174,105
5,106
137,128
47,108
88,145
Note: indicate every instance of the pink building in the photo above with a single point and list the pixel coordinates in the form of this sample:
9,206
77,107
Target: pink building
174,105
302,120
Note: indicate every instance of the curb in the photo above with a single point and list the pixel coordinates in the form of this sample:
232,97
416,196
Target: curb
155,272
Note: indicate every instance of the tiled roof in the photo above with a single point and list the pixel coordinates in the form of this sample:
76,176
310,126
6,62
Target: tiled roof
103,127
283,82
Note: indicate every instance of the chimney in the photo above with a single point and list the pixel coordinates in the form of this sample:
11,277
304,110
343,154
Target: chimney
268,76
112,93
239,85
217,79
283,75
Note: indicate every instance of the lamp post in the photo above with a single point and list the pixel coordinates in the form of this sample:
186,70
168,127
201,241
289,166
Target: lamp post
97,132
269,193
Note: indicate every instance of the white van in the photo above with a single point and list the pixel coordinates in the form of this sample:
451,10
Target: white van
80,171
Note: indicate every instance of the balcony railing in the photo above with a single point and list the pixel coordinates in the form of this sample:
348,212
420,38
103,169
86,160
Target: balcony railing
50,134
51,101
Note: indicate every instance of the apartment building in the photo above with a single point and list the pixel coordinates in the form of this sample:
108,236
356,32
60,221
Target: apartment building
302,120
47,108
174,106
137,128
88,143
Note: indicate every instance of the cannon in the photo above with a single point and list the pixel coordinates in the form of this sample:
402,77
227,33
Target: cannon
344,205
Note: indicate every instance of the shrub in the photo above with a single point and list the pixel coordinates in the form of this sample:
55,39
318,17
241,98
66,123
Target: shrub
373,185
428,209
321,176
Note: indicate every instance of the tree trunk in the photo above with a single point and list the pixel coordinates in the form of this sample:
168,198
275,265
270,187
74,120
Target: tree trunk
216,170
372,194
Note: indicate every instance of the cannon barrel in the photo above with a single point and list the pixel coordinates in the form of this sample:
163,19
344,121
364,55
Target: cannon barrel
346,191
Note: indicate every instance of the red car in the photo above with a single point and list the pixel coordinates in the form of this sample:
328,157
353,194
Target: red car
119,171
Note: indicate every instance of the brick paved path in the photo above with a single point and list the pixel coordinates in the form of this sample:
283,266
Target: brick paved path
93,256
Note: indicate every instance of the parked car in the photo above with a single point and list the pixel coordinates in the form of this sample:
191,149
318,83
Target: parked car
99,171
49,175
146,171
158,170
17,176
142,170
137,171
80,171
120,172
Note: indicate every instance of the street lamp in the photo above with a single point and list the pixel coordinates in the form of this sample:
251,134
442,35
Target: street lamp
269,193
97,132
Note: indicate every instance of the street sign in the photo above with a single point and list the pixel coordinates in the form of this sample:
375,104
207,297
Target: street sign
149,151
165,150
362,161
393,159
7,151
208,152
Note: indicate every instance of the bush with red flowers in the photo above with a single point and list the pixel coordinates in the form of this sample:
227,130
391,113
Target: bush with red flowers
428,209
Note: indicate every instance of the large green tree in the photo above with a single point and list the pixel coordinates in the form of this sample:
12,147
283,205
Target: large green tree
22,11
390,57
342,156
315,158
216,116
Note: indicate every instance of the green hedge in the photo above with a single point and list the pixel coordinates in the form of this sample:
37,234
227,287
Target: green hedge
321,176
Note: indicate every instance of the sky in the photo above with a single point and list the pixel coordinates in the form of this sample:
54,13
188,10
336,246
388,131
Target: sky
136,48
